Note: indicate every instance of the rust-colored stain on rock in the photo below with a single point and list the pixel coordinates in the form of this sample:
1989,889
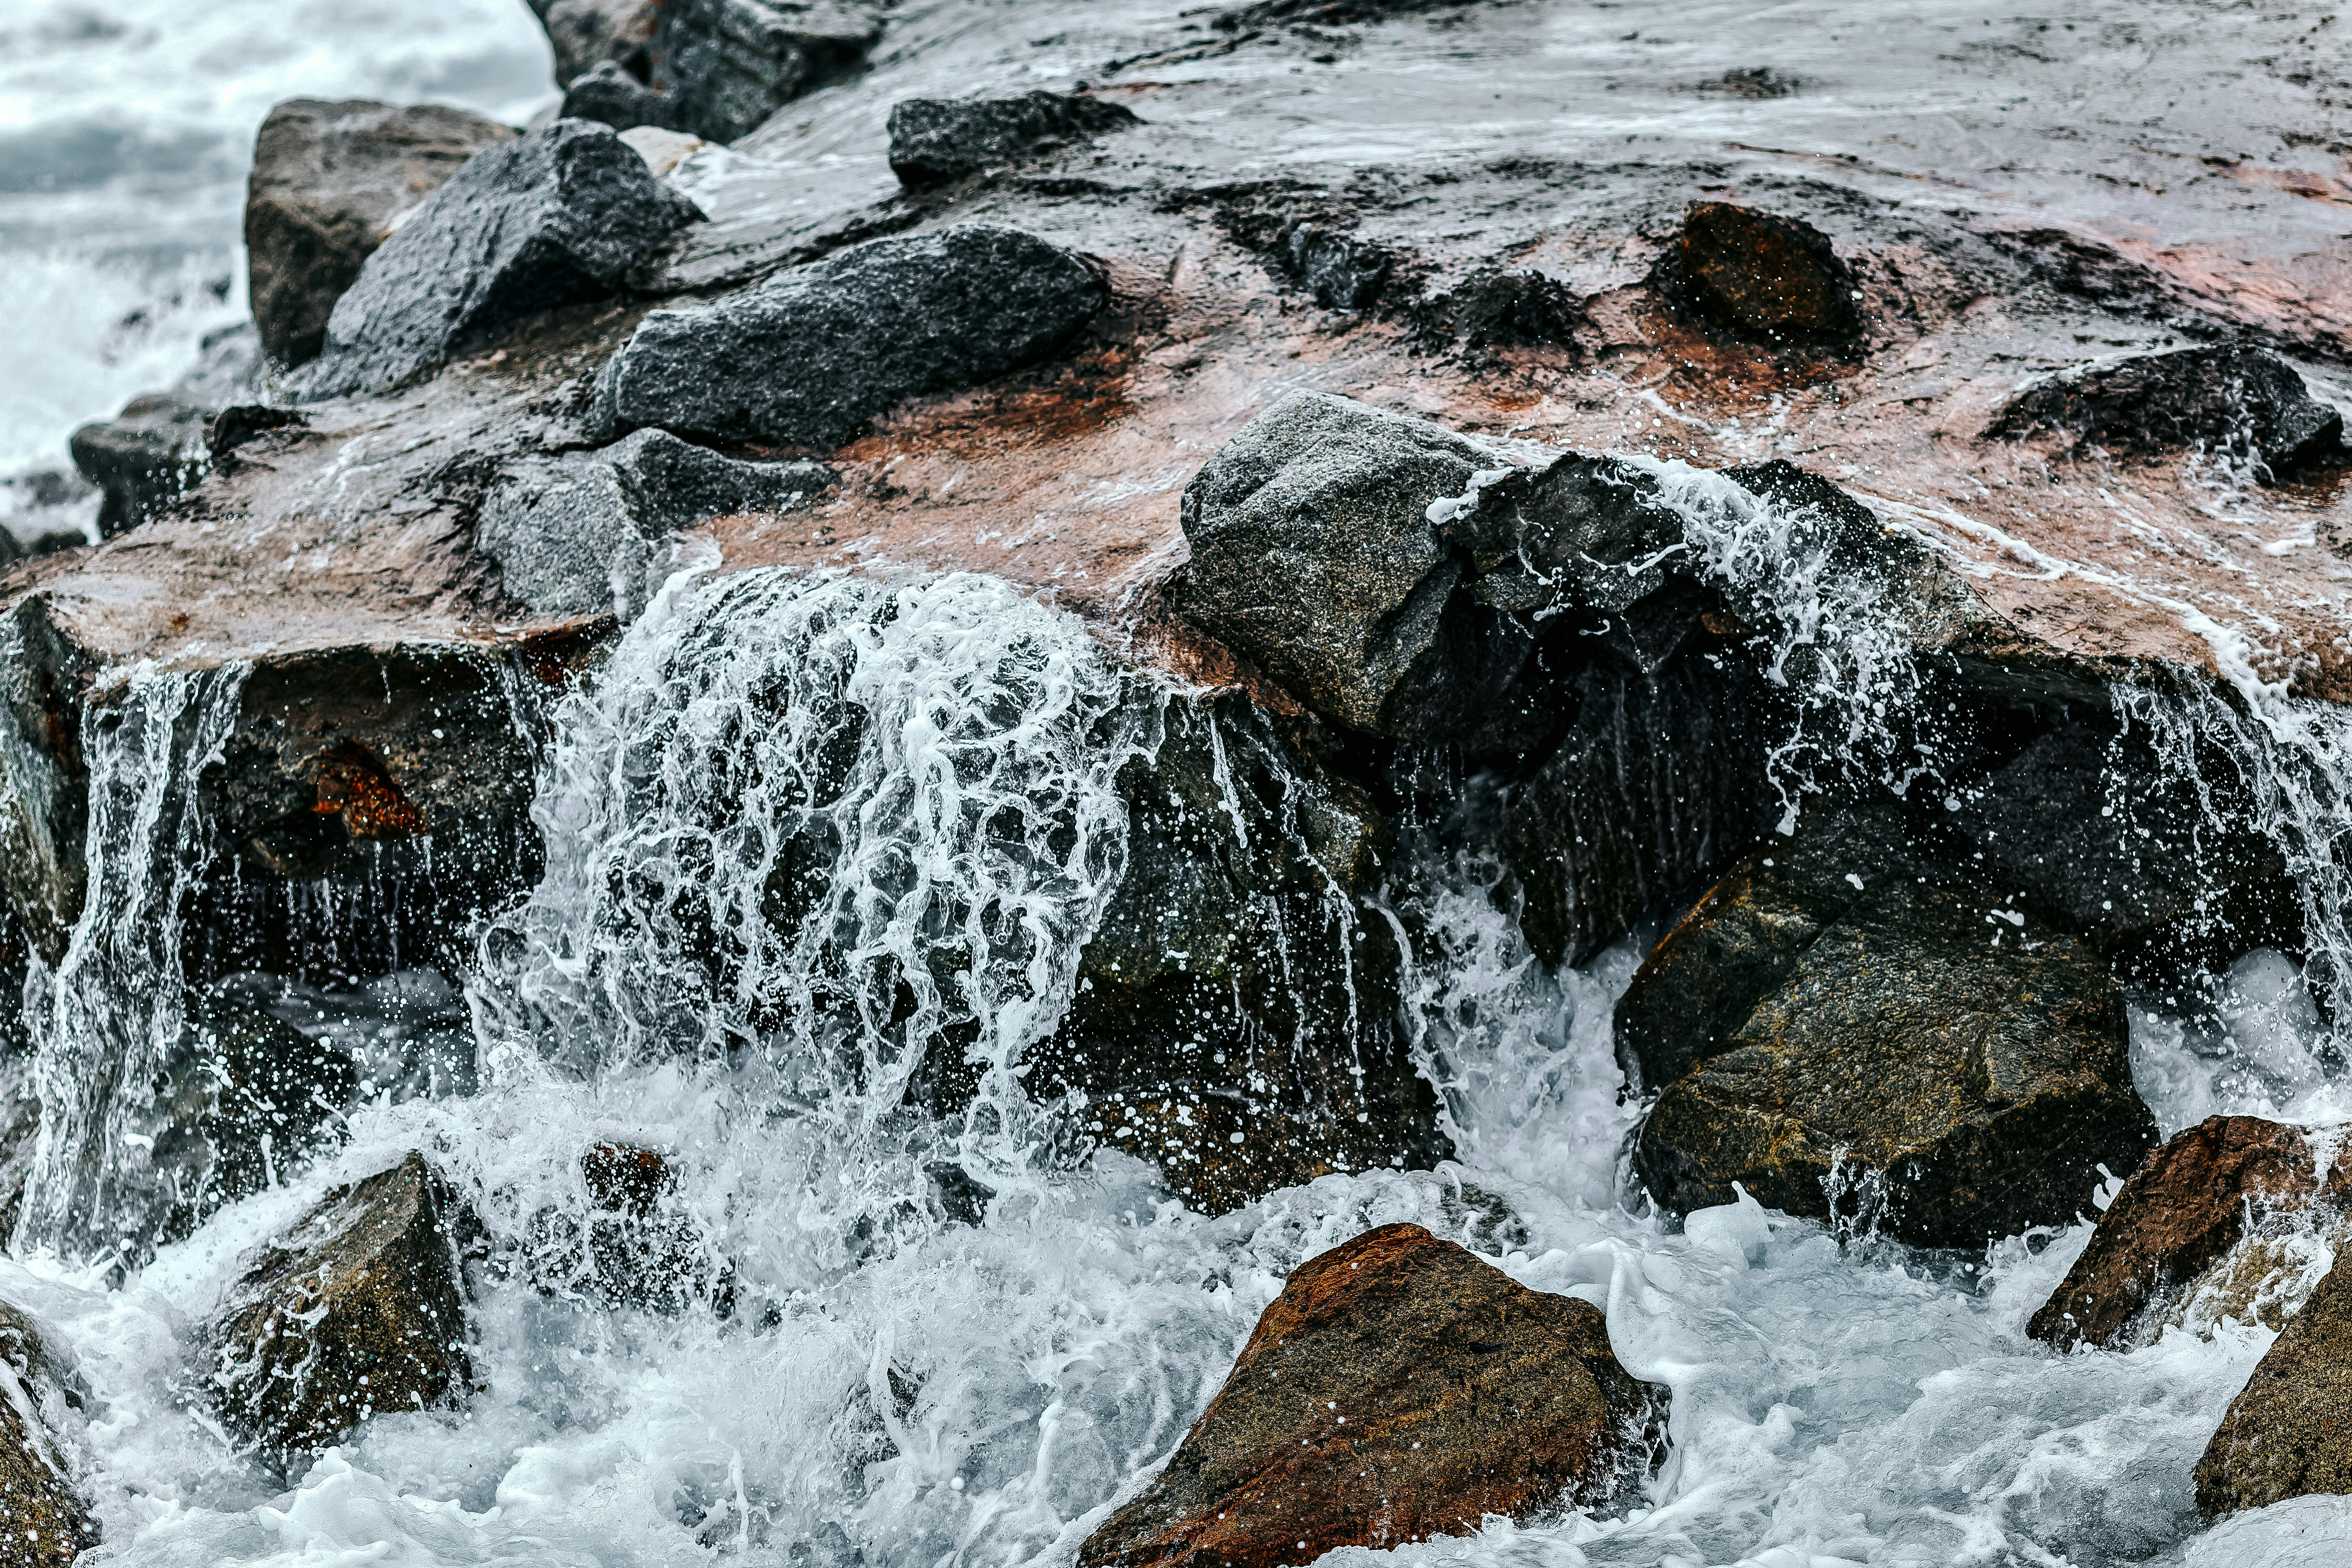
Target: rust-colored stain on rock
354,784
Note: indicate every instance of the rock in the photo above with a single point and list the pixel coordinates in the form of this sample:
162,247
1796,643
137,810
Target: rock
1237,1016
1493,308
934,140
2285,1434
2197,1198
1907,1055
2233,399
233,427
585,34
331,182
863,330
1311,14
662,151
43,1518
1763,277
636,1245
730,64
360,1308
574,535
143,458
611,96
1399,1389
549,218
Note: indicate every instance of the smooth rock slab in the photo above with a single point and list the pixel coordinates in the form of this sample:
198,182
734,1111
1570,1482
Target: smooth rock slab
2289,1432
360,1309
807,357
43,1519
2233,398
1765,277
934,140
551,218
329,183
1397,1390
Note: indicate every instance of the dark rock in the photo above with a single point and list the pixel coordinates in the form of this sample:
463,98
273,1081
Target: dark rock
1237,1021
934,140
1761,275
551,218
143,458
862,330
233,427
730,64
1752,81
2234,399
611,96
331,182
42,1515
1588,533
963,1197
2285,1435
1493,308
585,34
2197,1198
1342,273
573,534
636,1245
360,1308
1922,1059
1398,1389
1324,13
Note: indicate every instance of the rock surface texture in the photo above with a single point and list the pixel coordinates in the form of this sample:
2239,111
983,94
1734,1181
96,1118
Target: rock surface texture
551,218
1762,276
730,64
585,34
44,1518
1399,1389
331,182
938,139
360,1309
2234,402
142,459
862,330
2285,1435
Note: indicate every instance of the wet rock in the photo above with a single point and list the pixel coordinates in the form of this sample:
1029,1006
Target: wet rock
1236,1020
1910,1055
662,151
1764,276
576,533
2233,399
331,182
2285,1434
234,427
636,1245
611,96
359,1308
1494,309
551,218
142,459
1324,13
42,1513
1399,1389
2197,1198
730,64
933,140
584,33
863,330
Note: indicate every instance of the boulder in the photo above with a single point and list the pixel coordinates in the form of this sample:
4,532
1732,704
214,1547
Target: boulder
662,151
862,330
551,218
142,459
933,140
584,33
2195,1199
331,182
43,1519
635,1244
1399,1389
730,64
1762,276
360,1308
2289,1432
1909,1054
611,96
2234,399
574,535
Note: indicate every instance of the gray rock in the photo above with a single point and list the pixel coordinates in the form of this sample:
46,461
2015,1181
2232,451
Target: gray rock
730,64
2231,398
861,330
573,534
548,219
329,183
934,140
585,34
142,459
42,1512
611,96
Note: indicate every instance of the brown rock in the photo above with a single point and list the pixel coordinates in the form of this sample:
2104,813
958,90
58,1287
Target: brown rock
1763,275
637,1246
2289,1433
1398,1389
2196,1198
360,1308
43,1519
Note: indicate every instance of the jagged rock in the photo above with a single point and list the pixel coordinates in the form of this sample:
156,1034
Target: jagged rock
1399,1389
938,139
143,458
1236,1020
549,218
331,182
1906,1053
43,1519
360,1308
1493,308
2197,1198
611,96
730,64
573,534
233,427
2289,1432
2234,398
636,1245
1762,276
585,34
1342,273
862,330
